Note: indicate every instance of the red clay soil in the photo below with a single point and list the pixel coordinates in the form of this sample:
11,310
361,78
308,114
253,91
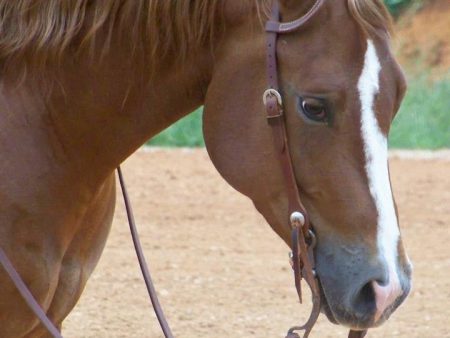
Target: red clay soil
220,270
422,38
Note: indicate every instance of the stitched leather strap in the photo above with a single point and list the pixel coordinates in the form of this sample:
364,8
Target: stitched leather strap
303,257
274,110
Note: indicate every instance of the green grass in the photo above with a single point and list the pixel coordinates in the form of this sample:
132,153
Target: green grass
186,132
395,6
423,121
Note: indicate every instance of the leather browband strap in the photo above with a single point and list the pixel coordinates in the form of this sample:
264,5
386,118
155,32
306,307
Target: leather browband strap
275,26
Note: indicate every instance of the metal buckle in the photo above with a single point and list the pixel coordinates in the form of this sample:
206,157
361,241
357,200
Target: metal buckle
272,92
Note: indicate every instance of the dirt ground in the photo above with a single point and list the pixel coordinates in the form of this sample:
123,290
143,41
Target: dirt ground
219,269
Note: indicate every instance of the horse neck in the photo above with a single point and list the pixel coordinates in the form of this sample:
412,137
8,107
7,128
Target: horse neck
97,114
102,106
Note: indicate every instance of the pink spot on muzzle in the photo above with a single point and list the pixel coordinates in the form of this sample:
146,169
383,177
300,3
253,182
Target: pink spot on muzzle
386,295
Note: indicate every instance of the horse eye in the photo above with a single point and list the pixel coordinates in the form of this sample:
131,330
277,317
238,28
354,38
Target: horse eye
314,109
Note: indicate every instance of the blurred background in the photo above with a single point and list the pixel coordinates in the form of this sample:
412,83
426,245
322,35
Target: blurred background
421,43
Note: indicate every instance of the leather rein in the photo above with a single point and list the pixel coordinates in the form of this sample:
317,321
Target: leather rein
302,235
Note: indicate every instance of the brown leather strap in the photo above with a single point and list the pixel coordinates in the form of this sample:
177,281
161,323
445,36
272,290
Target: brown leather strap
288,27
303,257
142,262
299,271
274,109
27,296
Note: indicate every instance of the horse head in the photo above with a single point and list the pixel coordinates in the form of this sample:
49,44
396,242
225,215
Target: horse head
341,88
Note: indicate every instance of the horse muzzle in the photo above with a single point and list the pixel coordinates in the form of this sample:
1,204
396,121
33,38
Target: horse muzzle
358,293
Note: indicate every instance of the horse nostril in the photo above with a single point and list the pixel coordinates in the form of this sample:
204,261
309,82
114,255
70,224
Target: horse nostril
365,301
367,294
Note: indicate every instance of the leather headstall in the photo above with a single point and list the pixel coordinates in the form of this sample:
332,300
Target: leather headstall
302,235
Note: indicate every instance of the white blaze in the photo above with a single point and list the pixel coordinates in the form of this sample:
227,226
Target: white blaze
376,155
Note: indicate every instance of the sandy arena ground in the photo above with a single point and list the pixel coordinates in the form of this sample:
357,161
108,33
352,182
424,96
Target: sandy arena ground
220,270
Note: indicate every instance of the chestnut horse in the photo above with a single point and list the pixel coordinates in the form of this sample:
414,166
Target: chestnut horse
85,83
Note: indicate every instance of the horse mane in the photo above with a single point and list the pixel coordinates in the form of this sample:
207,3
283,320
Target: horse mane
39,31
